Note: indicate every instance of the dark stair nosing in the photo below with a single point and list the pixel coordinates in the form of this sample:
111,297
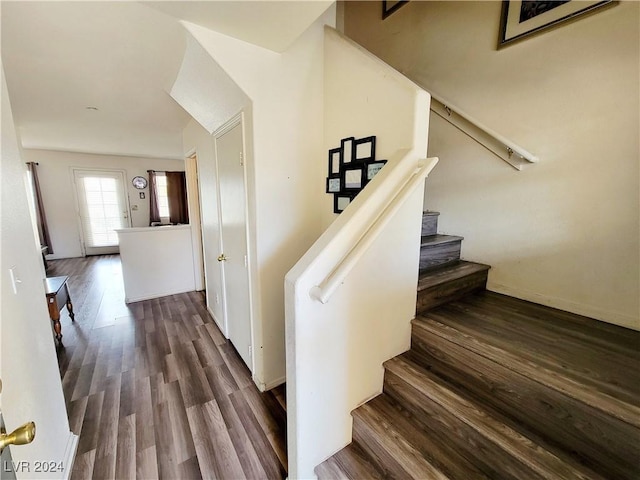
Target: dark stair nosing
438,239
448,273
598,400
541,461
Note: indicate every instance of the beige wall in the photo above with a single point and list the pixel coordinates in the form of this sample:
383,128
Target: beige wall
563,232
59,195
284,164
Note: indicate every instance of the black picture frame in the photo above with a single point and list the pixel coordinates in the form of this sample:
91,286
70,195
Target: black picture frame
339,201
335,161
364,149
520,21
346,145
372,168
331,184
390,6
352,178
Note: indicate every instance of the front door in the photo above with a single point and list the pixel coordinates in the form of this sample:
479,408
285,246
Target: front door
235,273
102,207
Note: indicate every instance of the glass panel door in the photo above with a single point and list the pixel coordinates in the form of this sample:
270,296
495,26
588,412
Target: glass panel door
102,208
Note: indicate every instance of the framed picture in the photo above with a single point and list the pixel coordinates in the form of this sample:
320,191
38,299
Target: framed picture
352,178
390,6
523,18
334,185
340,202
346,145
373,167
335,159
364,149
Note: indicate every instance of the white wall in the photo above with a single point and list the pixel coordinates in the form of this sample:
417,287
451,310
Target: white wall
31,385
563,232
59,195
156,261
285,163
335,350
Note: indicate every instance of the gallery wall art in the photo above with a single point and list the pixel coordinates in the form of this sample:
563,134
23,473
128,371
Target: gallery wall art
351,166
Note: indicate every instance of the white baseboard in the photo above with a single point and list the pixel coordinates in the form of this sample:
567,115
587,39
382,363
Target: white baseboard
263,387
616,318
218,324
70,455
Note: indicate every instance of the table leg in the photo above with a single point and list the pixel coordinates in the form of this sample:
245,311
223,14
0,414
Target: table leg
54,314
57,327
70,307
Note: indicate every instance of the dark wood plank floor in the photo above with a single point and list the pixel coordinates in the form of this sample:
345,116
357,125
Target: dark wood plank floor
154,389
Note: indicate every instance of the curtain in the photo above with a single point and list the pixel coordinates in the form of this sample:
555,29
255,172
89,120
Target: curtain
177,194
41,218
154,212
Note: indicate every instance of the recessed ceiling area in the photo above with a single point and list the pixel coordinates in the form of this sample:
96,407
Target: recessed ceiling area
120,57
94,77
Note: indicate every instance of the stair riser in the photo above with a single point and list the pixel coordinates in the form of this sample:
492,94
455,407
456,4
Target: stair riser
456,437
434,256
452,290
596,438
429,224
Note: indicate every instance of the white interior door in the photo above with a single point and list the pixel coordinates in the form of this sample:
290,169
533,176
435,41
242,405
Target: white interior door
233,225
102,206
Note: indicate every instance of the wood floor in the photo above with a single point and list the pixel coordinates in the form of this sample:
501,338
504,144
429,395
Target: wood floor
155,391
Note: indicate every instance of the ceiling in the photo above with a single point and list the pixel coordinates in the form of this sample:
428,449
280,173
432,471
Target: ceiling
93,76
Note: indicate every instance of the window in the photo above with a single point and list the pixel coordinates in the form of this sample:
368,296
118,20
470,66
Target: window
163,197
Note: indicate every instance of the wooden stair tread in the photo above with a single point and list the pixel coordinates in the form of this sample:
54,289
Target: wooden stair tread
586,394
606,367
514,444
449,272
379,427
438,239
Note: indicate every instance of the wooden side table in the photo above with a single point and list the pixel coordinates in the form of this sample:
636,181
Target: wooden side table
58,296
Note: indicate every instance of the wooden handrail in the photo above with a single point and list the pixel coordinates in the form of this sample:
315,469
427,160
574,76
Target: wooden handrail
510,152
330,284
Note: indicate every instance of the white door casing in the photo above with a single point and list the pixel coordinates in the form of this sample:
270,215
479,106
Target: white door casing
229,148
102,208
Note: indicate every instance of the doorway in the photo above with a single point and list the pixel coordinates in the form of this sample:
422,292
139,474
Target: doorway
102,207
230,155
195,219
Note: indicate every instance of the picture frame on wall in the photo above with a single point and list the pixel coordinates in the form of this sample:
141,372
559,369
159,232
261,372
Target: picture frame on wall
390,6
335,160
352,178
341,201
521,18
346,145
334,185
373,167
364,149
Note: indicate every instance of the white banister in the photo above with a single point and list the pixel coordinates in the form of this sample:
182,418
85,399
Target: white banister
510,152
326,288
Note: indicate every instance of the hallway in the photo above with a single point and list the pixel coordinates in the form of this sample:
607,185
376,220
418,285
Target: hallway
155,391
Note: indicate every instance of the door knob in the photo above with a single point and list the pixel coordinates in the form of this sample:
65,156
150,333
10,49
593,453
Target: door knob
20,436
222,258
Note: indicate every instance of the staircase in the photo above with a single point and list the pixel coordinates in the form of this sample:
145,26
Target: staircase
497,388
